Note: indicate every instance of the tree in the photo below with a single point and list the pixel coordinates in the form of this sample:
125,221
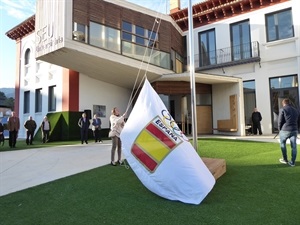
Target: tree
8,102
2,96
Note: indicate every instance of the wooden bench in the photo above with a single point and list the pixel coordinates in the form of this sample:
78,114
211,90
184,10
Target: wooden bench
229,125
217,167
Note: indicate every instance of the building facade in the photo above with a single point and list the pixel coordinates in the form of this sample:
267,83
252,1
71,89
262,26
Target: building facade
257,41
88,55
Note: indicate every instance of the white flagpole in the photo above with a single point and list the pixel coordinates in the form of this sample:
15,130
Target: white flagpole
192,75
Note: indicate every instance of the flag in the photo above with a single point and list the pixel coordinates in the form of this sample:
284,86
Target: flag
159,153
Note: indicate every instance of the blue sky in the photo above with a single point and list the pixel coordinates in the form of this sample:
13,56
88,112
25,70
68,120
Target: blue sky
13,12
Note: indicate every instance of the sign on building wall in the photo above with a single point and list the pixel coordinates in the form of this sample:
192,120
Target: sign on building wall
100,110
50,23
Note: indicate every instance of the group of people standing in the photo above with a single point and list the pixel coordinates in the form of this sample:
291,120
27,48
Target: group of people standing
288,125
117,123
84,124
13,126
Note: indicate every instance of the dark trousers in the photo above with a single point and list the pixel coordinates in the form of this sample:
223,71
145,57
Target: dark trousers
29,137
2,139
257,126
97,136
13,138
84,135
45,136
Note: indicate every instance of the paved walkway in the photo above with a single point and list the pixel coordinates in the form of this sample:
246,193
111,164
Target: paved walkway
27,168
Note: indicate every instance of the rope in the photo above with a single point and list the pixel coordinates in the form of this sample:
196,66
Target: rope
132,95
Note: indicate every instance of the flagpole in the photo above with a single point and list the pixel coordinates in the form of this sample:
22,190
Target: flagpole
192,76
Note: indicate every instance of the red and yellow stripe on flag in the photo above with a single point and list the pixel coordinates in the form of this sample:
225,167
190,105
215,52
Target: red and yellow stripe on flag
152,145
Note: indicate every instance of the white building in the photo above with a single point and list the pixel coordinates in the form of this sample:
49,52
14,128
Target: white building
250,43
261,46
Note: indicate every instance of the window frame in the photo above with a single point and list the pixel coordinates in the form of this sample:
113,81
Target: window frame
239,51
208,45
277,26
147,39
38,100
109,39
26,105
51,98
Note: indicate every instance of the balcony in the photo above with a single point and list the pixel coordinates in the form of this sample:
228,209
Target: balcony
225,57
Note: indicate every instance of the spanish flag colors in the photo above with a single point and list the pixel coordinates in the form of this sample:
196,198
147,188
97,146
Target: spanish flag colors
160,154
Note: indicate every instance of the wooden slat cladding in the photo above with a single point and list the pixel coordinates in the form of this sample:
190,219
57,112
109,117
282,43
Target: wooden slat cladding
80,12
112,15
179,87
96,12
177,41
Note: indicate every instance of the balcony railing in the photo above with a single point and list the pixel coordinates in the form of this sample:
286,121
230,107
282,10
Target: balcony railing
235,55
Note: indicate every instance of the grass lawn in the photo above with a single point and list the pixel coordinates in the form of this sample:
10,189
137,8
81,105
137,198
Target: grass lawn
255,190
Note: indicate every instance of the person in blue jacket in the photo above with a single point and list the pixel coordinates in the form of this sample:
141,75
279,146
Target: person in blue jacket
84,125
288,124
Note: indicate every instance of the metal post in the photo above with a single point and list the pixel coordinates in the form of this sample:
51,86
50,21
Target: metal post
192,76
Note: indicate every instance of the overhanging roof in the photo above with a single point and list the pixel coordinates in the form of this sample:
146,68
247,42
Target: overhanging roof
201,78
210,11
103,65
21,30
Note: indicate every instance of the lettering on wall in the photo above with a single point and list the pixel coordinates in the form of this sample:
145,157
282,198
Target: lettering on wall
45,38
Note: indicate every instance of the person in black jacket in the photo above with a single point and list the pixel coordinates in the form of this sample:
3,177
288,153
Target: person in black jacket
288,124
84,125
1,133
30,126
256,118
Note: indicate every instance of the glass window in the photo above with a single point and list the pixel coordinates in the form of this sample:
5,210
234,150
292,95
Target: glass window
104,37
97,35
127,31
126,36
127,26
284,82
249,100
79,32
27,56
52,99
140,33
152,35
207,45
38,100
280,88
203,99
240,40
249,85
112,39
279,25
26,102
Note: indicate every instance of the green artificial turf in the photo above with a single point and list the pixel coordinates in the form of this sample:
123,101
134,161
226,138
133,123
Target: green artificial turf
255,190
